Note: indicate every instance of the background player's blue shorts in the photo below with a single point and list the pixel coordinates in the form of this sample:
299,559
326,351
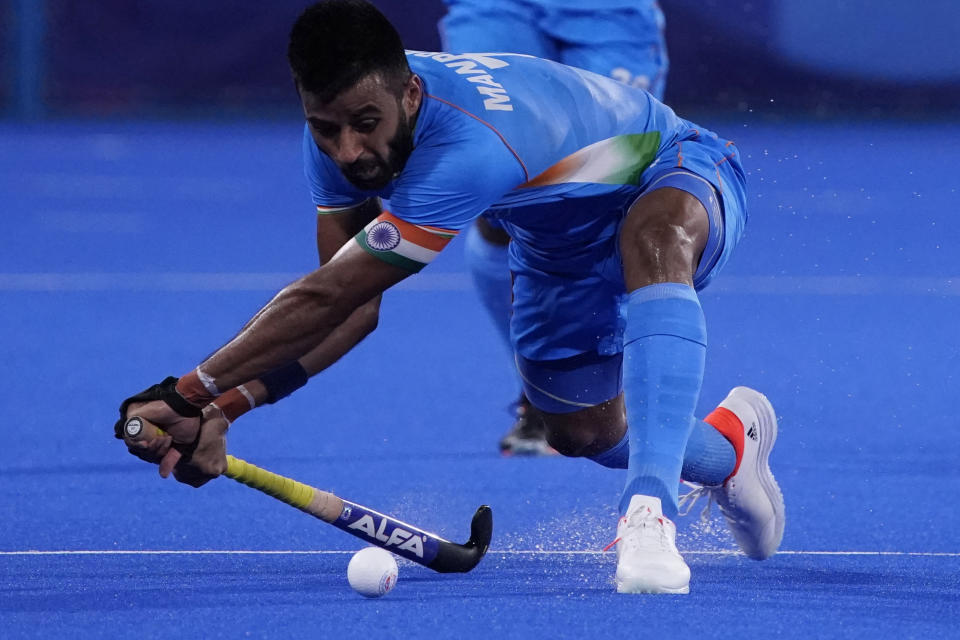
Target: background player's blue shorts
567,325
626,44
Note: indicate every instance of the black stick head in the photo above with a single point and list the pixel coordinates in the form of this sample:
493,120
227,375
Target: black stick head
461,558
481,530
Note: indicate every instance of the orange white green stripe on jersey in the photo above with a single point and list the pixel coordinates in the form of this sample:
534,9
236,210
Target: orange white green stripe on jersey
617,160
406,245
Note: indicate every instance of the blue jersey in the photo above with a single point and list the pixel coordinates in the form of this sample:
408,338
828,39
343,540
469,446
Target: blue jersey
622,39
514,136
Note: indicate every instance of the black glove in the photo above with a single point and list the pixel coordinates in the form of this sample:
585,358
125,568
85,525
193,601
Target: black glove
165,391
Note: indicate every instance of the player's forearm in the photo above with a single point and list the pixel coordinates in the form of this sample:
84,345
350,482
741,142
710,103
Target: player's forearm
341,340
344,338
298,319
283,381
291,325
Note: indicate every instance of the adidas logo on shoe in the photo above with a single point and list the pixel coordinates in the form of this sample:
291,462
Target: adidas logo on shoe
750,500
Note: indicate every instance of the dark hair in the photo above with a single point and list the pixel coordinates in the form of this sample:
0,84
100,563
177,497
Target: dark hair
336,43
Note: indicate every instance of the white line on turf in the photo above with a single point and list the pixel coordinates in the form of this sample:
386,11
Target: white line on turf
526,552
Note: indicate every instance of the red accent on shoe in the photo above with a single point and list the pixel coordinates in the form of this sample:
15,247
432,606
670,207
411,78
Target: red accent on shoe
730,427
610,546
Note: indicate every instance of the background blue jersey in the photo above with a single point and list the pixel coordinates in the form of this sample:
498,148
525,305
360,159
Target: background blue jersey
622,39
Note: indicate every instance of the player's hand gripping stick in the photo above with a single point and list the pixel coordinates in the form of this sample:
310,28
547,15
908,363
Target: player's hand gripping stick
373,527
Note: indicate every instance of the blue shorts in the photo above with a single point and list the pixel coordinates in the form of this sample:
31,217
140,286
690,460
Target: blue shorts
626,44
567,326
571,384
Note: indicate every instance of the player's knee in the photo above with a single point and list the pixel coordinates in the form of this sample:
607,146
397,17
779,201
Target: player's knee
646,234
663,237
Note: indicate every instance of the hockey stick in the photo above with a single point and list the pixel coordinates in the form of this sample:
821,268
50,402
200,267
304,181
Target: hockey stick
373,527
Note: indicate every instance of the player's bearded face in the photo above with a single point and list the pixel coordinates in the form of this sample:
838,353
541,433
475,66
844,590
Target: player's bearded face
367,130
375,170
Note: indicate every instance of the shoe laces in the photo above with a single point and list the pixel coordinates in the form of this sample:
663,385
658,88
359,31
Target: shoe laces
687,500
647,531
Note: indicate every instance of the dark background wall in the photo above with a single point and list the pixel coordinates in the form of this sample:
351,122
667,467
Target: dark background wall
139,58
6,52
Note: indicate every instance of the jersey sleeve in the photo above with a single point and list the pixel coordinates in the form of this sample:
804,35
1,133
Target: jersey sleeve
450,181
444,186
329,190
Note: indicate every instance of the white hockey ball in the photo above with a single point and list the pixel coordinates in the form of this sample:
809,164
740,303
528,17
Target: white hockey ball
372,572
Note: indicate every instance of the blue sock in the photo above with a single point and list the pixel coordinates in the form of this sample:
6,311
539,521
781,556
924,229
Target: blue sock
617,456
663,359
491,275
708,459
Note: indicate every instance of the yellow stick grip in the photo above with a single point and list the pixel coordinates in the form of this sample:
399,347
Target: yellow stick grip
320,504
286,489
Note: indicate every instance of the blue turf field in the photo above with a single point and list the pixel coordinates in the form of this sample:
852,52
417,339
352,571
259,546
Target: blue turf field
129,252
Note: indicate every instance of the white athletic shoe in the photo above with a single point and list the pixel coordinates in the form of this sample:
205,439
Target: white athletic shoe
751,501
647,556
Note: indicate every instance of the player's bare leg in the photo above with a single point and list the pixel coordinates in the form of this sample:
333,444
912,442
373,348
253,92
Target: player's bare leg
661,242
668,232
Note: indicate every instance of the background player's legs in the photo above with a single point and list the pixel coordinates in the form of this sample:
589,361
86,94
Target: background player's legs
498,25
620,61
495,26
627,45
485,254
